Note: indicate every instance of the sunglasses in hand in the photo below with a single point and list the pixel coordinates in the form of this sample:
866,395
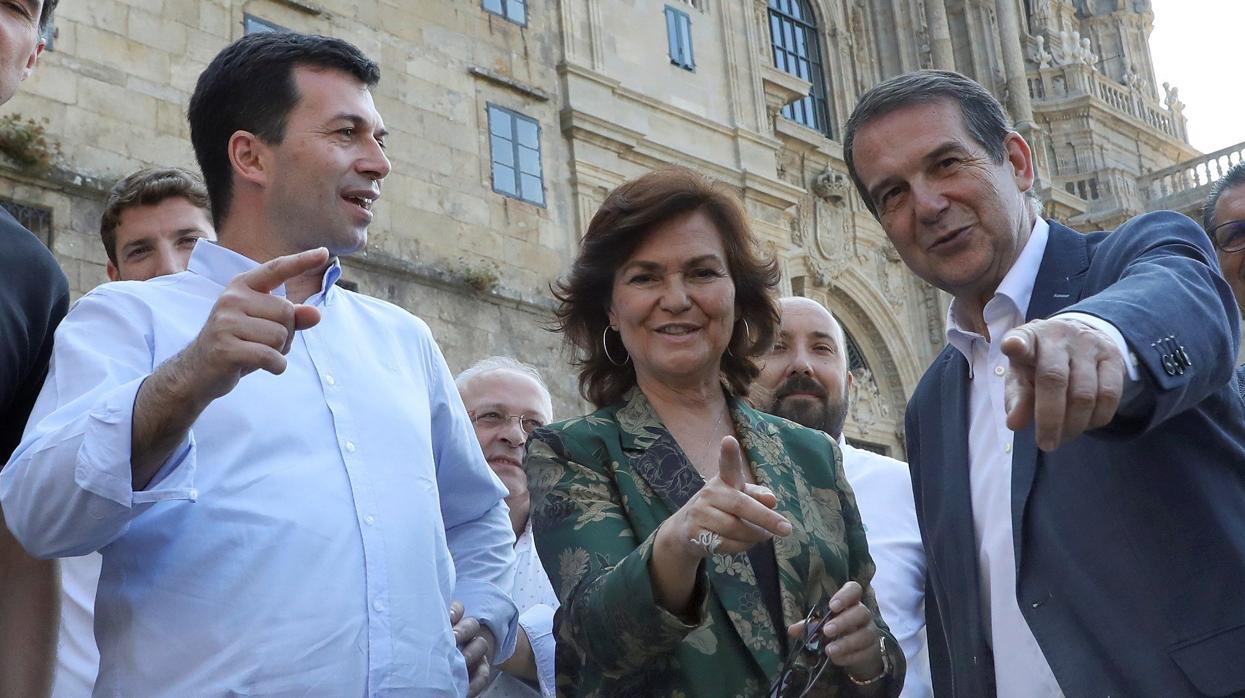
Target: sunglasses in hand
807,660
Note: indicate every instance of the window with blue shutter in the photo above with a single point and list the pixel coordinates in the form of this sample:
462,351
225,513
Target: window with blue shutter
514,140
679,38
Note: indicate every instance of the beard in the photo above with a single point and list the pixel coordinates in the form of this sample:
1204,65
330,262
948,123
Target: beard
826,413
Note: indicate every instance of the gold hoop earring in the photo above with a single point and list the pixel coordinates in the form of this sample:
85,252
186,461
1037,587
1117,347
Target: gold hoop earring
747,336
606,347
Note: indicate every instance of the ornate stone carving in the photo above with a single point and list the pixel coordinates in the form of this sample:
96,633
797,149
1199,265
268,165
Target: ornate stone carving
831,187
866,407
889,273
935,319
1172,97
1072,48
1038,53
819,270
833,237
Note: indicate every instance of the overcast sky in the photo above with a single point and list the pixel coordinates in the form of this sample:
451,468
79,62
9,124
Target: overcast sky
1196,46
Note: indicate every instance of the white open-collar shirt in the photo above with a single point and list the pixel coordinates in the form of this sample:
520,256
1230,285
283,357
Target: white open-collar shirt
1020,668
308,535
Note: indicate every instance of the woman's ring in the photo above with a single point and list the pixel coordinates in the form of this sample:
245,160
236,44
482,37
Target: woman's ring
707,541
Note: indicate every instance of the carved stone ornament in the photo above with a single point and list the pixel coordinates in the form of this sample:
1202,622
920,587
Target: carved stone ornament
866,406
819,270
1038,53
831,187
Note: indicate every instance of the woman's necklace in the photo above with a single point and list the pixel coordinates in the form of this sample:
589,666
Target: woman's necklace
708,453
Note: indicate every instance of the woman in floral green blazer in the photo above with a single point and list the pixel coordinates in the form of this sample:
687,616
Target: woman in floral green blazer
685,533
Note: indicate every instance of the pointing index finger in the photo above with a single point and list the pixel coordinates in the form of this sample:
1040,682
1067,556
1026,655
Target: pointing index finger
271,274
731,463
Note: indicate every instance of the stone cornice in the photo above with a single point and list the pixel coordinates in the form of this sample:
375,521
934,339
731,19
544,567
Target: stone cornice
377,261
510,83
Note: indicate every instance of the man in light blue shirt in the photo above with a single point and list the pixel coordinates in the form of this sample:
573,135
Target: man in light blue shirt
280,475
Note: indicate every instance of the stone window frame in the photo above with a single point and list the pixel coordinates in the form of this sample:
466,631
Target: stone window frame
33,217
254,24
795,19
679,39
506,150
511,10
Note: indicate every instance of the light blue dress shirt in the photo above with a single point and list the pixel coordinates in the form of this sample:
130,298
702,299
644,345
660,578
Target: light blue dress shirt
308,536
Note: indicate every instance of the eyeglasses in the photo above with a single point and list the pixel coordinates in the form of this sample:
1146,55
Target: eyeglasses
796,679
492,419
1229,237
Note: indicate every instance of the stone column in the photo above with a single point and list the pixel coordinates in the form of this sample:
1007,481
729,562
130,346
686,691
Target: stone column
1014,67
939,35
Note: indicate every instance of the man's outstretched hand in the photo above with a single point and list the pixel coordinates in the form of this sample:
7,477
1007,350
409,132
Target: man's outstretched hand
1065,376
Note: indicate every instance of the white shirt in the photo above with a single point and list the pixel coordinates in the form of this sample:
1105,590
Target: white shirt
309,534
77,657
883,489
1020,668
534,596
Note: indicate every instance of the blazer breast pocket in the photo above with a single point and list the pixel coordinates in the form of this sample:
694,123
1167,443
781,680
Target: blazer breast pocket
1213,664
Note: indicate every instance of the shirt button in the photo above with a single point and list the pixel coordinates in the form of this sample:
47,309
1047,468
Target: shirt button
194,493
350,447
369,519
1007,448
998,370
378,605
328,378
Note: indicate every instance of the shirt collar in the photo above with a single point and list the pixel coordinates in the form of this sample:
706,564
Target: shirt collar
220,264
1015,288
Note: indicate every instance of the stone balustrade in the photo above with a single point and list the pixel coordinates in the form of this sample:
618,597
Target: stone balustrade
1058,83
1185,185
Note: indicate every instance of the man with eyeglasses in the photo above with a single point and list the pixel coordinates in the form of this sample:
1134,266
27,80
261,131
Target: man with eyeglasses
507,400
1223,216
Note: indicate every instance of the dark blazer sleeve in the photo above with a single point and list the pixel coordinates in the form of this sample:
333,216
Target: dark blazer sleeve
33,301
1157,280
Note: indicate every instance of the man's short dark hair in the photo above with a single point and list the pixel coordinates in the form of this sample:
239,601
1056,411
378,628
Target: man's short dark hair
983,115
1234,178
250,86
45,14
147,188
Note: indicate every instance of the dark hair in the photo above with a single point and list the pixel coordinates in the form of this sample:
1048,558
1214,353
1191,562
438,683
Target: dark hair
147,188
983,115
250,86
624,220
45,14
1234,178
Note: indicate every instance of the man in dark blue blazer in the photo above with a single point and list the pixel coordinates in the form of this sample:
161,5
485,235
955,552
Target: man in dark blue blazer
1078,450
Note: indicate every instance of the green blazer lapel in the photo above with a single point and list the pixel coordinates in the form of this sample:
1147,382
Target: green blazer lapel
732,577
805,569
654,455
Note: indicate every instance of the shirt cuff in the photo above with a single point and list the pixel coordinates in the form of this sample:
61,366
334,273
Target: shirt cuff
103,466
1132,381
537,622
490,605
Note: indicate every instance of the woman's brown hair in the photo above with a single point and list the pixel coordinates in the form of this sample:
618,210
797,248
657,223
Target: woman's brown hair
624,220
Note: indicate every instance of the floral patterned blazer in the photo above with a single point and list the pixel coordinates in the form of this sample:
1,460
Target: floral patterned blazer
603,483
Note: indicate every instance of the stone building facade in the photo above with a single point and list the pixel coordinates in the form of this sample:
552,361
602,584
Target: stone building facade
512,119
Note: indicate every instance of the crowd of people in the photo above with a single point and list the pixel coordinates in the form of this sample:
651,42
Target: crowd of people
260,483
